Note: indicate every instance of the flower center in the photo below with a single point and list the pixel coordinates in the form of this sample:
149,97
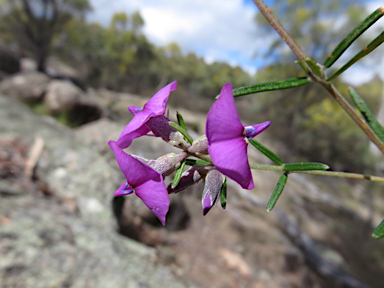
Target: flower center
125,191
253,130
250,131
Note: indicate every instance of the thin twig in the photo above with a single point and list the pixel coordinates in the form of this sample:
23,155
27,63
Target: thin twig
287,38
344,175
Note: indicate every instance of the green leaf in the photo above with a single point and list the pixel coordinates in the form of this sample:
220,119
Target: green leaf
352,36
191,162
178,173
180,120
302,66
371,46
277,192
270,86
367,114
223,194
314,67
182,131
304,166
276,159
378,233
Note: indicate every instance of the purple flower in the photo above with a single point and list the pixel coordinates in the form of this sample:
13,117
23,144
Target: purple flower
152,111
147,184
226,135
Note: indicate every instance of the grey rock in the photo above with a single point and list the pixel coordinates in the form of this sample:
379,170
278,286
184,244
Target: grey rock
68,239
28,87
64,96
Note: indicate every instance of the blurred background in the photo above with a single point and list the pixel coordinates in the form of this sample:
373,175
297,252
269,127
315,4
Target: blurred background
68,71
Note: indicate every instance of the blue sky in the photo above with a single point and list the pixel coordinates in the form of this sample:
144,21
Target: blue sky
222,30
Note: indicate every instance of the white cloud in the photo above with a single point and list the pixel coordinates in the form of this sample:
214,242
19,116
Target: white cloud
221,30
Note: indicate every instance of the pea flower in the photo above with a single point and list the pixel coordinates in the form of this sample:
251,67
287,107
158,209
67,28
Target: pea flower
149,118
227,144
144,181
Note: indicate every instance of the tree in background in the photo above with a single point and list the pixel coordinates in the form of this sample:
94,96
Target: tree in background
32,24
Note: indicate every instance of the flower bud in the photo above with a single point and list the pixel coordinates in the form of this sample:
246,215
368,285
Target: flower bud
160,127
167,164
200,145
176,139
213,184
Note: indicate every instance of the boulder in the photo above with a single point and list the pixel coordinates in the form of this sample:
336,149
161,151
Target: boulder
64,96
28,87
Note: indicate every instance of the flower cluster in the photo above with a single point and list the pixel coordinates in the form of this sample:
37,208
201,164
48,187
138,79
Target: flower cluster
225,143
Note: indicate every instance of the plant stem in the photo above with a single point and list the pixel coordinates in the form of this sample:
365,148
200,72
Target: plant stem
266,167
353,114
344,175
317,172
205,158
287,38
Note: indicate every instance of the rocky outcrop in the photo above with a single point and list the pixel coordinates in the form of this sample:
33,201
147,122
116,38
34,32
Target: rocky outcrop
65,235
60,227
27,87
65,97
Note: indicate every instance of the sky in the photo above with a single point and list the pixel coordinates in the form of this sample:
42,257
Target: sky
218,30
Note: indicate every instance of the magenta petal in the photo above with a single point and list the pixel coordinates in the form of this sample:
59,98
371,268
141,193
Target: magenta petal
154,107
207,205
135,171
223,121
146,182
155,196
127,136
158,102
230,158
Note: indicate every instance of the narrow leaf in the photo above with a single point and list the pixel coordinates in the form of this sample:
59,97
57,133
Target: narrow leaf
378,233
367,114
180,119
352,36
277,192
313,66
182,131
371,46
304,166
223,194
270,86
178,173
302,66
276,159
191,162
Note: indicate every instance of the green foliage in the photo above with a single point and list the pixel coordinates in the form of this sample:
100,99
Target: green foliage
119,57
31,25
